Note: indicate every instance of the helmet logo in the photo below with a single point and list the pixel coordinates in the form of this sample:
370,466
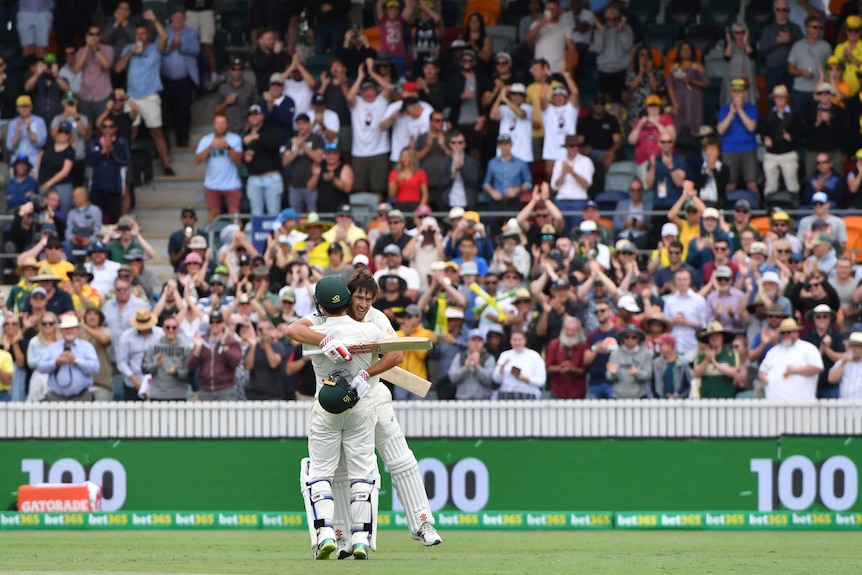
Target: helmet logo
336,298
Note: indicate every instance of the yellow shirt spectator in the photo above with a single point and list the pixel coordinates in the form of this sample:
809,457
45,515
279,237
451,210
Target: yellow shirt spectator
6,367
414,360
851,56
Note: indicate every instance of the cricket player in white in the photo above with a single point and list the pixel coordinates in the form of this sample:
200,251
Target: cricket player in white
341,423
389,439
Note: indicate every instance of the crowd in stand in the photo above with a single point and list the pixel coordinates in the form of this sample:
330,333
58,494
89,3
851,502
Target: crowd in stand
525,288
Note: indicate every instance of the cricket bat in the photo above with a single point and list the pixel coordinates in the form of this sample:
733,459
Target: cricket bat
406,380
381,345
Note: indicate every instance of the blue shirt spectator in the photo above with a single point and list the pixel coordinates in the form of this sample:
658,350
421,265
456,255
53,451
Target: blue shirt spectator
663,178
144,71
738,138
27,133
222,173
825,181
504,174
279,108
70,379
22,185
181,60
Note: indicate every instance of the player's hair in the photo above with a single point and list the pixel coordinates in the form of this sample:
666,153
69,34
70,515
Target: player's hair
363,281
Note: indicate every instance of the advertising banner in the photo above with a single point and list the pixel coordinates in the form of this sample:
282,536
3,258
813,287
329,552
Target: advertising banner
472,480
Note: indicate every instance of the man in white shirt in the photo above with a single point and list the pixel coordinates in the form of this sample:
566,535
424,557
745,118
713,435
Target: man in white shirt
790,370
520,371
393,266
324,122
560,119
299,85
409,118
686,310
103,269
550,37
370,144
516,119
570,179
848,370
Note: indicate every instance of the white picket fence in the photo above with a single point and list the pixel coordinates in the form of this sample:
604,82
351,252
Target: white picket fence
479,419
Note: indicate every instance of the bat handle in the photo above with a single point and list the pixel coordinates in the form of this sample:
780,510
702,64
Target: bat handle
344,354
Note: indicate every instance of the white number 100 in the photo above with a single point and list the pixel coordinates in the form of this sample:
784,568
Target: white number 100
798,483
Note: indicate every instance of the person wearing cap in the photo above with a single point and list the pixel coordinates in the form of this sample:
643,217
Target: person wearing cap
21,185
824,181
723,300
19,293
345,229
826,131
81,129
392,19
465,87
27,133
278,108
129,238
131,348
826,336
146,279
178,242
217,354
55,164
821,255
846,373
471,369
781,224
515,117
54,262
83,294
737,125
234,97
262,158
143,60
817,290
324,122
104,270
392,265
408,118
370,145
740,224
613,40
571,178
849,53
647,133
700,248
790,370
46,87
821,213
782,132
834,74
396,234
304,155
70,364
559,107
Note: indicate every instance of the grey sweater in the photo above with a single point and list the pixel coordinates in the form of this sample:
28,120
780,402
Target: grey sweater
84,222
614,49
626,385
166,386
474,383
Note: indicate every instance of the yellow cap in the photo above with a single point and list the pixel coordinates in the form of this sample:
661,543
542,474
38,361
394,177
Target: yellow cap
859,154
471,216
854,22
653,100
833,61
739,84
23,101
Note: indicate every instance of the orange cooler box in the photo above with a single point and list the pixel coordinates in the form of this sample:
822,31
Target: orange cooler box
59,497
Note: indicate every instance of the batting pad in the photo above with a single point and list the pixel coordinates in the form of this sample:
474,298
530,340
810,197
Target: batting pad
407,481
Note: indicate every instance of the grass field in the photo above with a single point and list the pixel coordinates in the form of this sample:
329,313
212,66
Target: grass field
462,552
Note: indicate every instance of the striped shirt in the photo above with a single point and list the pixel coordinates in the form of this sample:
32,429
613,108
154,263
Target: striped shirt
851,380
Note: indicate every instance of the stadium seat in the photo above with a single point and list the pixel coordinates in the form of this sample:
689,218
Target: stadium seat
374,36
783,199
608,199
661,36
736,195
502,36
759,11
681,12
451,13
853,247
721,14
449,36
489,9
317,64
761,224
622,167
704,36
645,11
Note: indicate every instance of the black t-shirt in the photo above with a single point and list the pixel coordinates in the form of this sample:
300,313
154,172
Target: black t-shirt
198,5
265,65
397,306
265,383
328,196
52,163
599,132
266,155
301,172
384,241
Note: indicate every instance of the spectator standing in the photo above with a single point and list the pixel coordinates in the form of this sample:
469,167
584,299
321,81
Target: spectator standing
849,53
781,131
143,61
475,38
821,213
803,63
791,369
826,129
431,152
218,355
520,371
686,310
565,361
27,133
550,37
459,174
370,142
305,152
464,99
602,136
10,89
647,132
180,76
93,61
776,40
827,338
266,59
93,330
642,80
713,179
602,340
165,360
516,119
131,348
740,54
46,88
507,178
824,181
324,122
559,117
846,373
70,364
235,97
723,301
35,18
408,183
571,179
299,86
717,364
612,42
264,360
262,156
686,82
222,152
73,78
118,34
200,17
427,32
631,218
333,178
108,156
392,21
414,360
737,124
80,134
665,173
629,367
471,371
55,166
672,376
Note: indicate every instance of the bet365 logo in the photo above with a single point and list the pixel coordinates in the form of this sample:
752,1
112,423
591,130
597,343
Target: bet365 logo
797,483
109,473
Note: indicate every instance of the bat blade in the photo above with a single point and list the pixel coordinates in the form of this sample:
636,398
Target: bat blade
406,380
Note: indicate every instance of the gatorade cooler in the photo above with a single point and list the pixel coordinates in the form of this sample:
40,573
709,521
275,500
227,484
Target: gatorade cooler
59,497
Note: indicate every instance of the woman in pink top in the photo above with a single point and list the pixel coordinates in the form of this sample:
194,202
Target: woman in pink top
646,133
408,183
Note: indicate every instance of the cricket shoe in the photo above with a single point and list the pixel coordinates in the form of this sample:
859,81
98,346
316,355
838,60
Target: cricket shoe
360,551
326,548
345,550
428,535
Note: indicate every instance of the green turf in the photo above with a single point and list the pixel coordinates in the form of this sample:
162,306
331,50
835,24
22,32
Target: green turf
462,552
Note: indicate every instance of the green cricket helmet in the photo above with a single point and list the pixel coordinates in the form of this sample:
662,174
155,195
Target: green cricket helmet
336,396
332,293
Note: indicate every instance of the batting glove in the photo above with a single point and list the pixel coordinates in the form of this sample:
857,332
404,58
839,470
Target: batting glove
335,349
360,383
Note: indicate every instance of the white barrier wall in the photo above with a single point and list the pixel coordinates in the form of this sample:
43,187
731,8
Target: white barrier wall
479,419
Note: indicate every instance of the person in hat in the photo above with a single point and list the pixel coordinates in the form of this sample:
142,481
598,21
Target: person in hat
21,291
27,132
782,132
694,158
370,145
393,265
338,264
828,128
629,367
791,369
217,355
145,278
717,364
143,60
559,111
341,419
515,116
235,96
130,350
739,53
278,108
392,20
345,229
646,133
70,364
104,270
180,240
315,245
849,53
846,372
83,294
324,122
415,361
737,125
262,157
780,225
81,129
740,224
392,300
806,226
655,324
565,361
821,255
571,178
827,338
408,117
471,370
21,186
834,74
57,301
